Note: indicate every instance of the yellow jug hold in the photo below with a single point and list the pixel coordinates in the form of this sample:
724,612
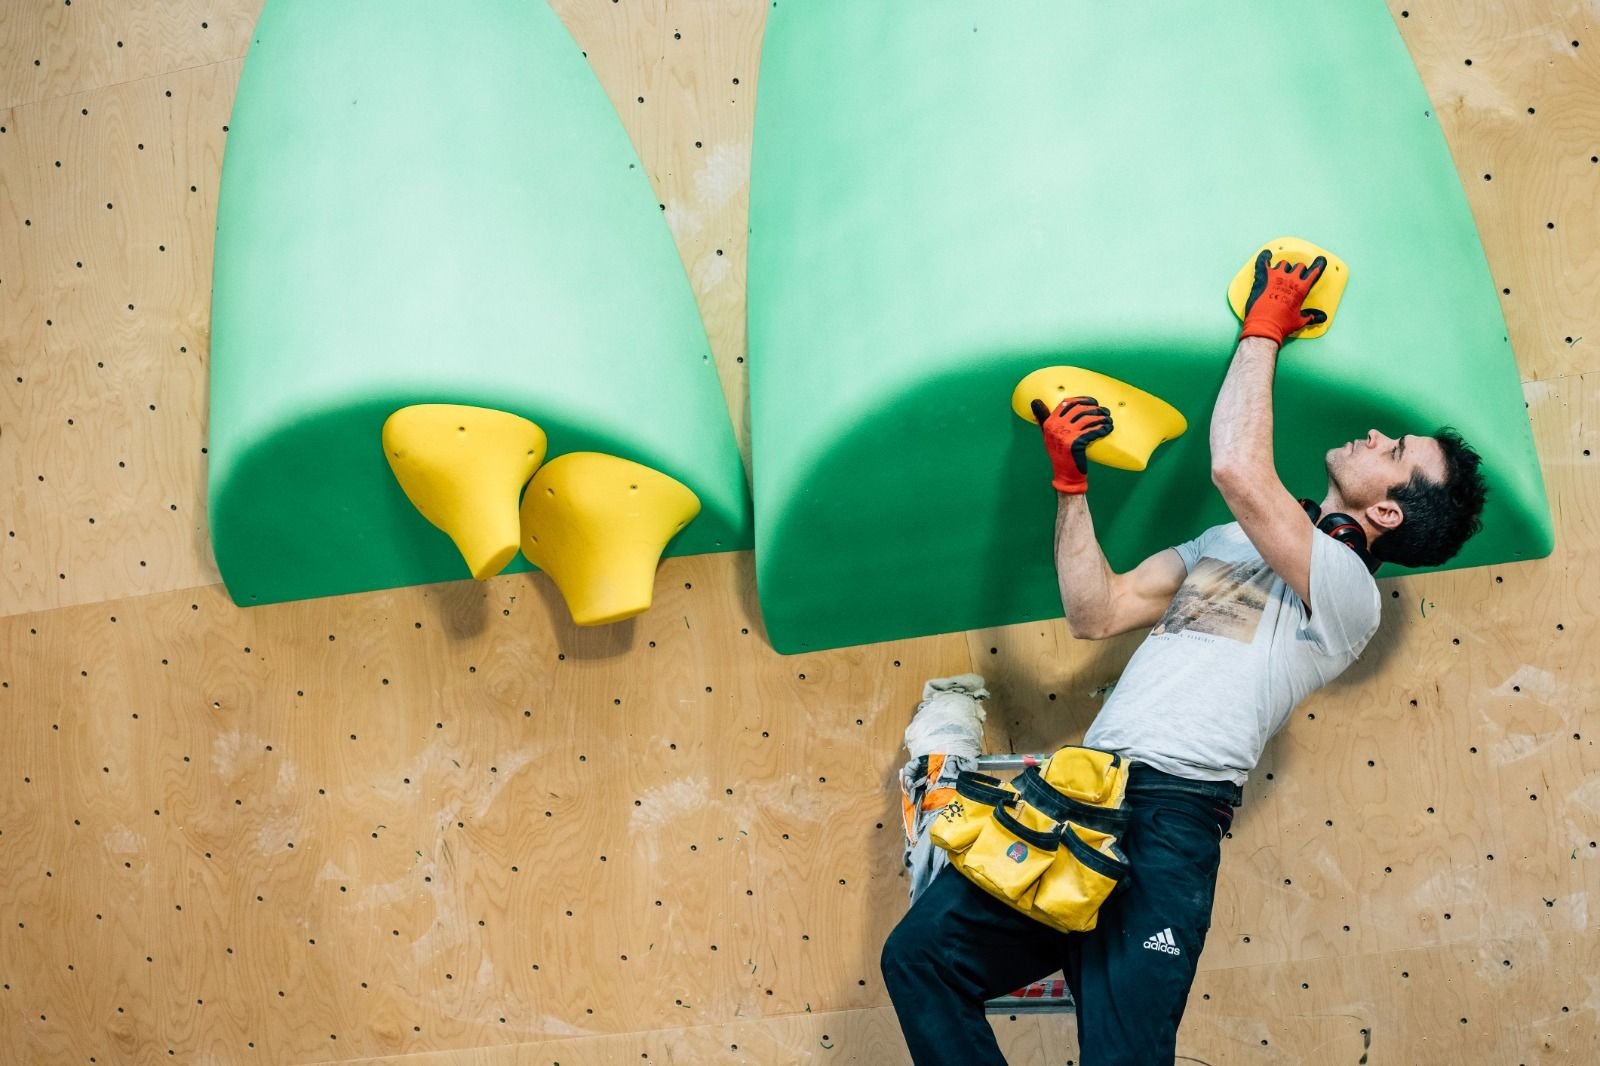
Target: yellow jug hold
597,524
462,468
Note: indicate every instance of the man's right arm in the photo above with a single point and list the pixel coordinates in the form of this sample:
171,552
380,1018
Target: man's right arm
1098,602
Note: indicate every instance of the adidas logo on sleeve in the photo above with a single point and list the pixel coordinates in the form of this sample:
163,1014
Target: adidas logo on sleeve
1163,941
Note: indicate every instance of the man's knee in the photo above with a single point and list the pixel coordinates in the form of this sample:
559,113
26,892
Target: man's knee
904,953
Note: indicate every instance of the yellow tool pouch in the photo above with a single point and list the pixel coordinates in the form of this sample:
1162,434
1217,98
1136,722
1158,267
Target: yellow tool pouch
1045,843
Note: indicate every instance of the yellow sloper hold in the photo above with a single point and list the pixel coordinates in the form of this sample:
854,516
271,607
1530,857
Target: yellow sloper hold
463,467
1324,295
597,525
1140,421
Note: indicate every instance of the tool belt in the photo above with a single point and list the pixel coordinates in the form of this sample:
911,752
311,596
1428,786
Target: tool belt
1046,843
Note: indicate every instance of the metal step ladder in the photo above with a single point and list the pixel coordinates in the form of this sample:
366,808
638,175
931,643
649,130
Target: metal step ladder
1049,996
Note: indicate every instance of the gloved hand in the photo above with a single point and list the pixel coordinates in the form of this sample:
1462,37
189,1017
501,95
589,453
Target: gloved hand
1273,310
1074,425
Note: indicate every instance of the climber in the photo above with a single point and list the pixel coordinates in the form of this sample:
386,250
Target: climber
1249,618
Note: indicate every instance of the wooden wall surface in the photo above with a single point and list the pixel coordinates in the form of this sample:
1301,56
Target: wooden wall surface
443,822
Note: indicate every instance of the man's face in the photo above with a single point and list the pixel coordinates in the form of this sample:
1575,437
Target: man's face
1365,470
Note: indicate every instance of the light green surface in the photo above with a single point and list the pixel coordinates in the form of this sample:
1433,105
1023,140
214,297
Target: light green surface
948,195
421,203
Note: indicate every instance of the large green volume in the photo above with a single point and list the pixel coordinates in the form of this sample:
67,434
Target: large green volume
435,203
948,194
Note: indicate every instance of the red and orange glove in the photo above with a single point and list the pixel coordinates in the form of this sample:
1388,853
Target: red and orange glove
1074,425
1273,310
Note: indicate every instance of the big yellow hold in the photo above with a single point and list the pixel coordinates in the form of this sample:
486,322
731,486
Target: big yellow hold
1324,295
597,525
463,467
1140,422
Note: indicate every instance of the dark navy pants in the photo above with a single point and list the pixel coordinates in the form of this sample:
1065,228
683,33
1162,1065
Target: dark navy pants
1130,976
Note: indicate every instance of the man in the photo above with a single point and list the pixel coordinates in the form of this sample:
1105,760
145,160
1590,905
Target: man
1249,619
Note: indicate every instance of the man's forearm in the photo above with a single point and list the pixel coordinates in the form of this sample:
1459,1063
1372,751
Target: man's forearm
1081,568
1241,422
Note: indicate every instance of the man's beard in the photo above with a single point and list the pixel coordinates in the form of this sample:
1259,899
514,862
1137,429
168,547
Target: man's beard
1329,462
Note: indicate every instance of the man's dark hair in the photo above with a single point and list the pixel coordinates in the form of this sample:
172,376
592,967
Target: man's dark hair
1439,516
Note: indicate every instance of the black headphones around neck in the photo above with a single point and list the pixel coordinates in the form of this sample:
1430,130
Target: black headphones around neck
1345,530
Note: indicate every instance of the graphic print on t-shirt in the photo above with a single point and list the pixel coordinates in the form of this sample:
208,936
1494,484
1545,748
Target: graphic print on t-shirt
1219,599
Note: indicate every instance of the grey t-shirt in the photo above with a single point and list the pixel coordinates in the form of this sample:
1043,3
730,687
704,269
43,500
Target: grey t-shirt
1236,650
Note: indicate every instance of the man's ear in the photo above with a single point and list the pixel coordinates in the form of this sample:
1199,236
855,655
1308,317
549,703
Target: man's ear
1385,515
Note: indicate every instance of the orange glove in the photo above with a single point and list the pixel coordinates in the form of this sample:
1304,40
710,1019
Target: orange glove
1075,425
1273,310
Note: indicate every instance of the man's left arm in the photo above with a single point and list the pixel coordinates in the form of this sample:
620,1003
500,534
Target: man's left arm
1243,470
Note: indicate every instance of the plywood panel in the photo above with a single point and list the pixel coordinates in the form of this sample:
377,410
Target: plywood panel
1500,1000
54,48
1516,88
441,817
105,266
843,1038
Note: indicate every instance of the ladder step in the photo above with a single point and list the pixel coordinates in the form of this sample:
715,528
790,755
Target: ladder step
1010,761
1041,997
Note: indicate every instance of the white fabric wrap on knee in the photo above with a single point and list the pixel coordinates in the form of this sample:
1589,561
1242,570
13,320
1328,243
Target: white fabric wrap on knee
949,720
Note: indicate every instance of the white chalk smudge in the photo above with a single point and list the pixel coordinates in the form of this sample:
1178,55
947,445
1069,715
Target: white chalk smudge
1587,794
1448,885
711,271
275,834
1514,747
1531,681
554,1026
684,223
230,749
123,841
784,797
668,802
724,173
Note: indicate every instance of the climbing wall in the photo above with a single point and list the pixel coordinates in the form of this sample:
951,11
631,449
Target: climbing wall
442,822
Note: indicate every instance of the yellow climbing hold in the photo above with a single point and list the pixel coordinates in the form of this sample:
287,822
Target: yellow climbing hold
597,524
463,467
1324,295
1140,421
